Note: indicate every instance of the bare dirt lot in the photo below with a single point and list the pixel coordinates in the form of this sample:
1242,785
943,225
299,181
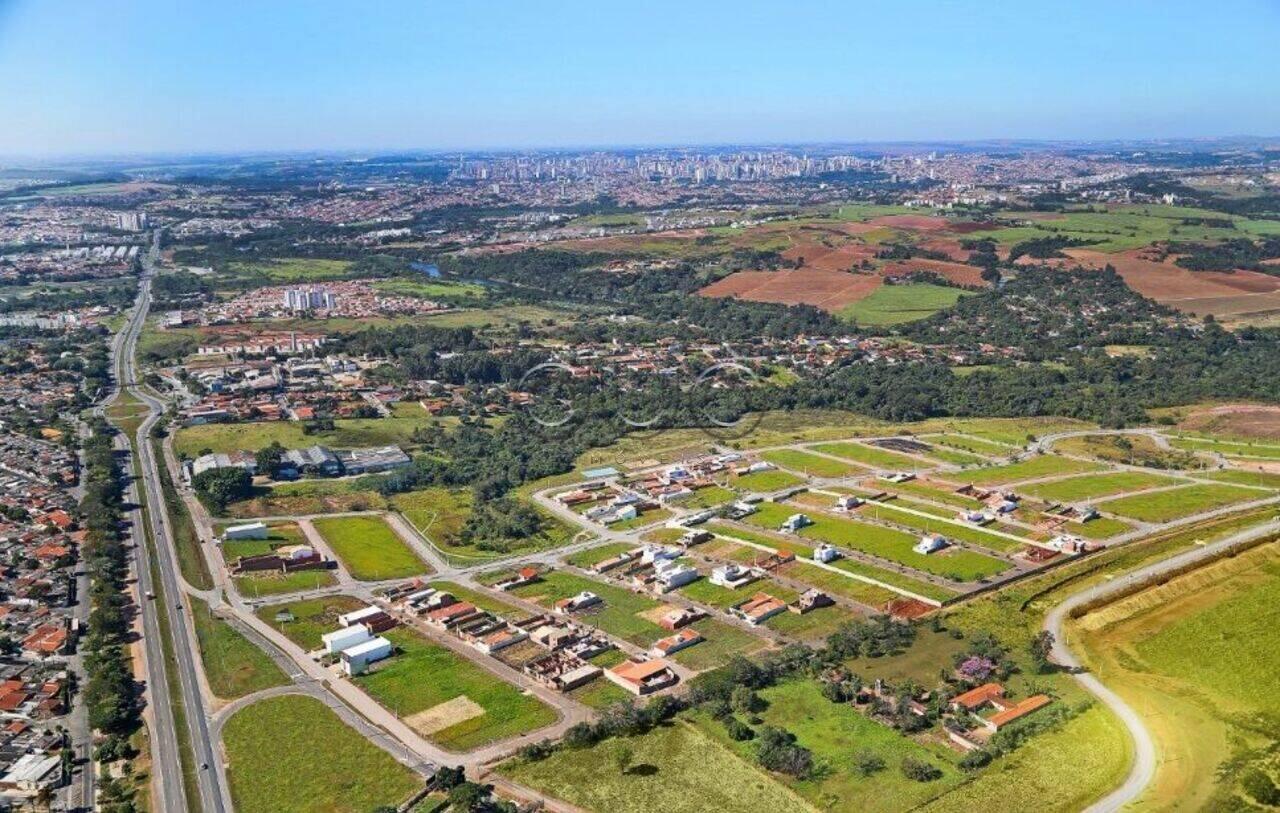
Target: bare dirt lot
829,290
1236,420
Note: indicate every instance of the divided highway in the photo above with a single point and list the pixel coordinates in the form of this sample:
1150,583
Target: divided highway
170,789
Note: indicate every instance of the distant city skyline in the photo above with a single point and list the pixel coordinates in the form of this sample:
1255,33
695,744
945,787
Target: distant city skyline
152,77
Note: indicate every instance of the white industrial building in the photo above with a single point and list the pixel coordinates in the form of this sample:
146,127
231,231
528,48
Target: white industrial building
357,659
345,638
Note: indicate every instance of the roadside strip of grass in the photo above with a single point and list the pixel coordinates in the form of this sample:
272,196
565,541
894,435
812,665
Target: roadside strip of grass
234,666
191,561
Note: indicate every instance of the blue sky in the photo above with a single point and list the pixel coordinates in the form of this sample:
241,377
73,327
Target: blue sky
224,75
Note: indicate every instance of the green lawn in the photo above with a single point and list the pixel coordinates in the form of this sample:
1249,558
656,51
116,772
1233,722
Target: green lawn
369,549
834,732
896,304
871,456
234,666
254,585
1269,451
621,615
708,497
811,464
1243,477
678,769
1178,502
1100,528
1093,486
276,747
766,481
593,556
971,444
887,543
1045,465
948,526
313,617
421,675
278,535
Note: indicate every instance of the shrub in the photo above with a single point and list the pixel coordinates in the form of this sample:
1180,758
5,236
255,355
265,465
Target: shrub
867,763
738,730
920,771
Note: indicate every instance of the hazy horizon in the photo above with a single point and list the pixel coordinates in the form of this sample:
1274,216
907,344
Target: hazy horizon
151,78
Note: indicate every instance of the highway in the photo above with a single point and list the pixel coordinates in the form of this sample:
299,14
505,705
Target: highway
169,786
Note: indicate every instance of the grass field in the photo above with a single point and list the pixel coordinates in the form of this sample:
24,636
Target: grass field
422,675
1045,465
811,464
294,269
440,513
622,614
1269,451
256,585
896,304
313,617
347,433
369,549
1178,502
278,535
310,497
1100,528
871,456
969,444
937,494
1093,486
766,481
948,527
708,497
834,732
1196,656
887,543
1263,479
589,558
678,769
272,748
233,665
1095,744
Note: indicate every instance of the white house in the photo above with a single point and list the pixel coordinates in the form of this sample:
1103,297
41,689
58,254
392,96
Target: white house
579,602
621,513
930,543
670,575
795,522
732,576
825,553
251,530
653,554
345,638
357,659
356,616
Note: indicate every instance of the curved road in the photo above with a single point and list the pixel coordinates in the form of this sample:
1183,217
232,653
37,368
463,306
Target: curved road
1144,763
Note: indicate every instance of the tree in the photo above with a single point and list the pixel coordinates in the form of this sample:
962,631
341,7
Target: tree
269,458
219,487
1041,647
744,700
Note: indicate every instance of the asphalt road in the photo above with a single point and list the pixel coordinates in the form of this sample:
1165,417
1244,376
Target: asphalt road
1145,756
213,797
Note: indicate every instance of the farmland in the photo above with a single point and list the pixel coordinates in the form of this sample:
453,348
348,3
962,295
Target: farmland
422,676
369,549
895,304
272,747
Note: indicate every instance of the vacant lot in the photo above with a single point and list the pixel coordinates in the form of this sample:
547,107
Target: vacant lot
810,464
827,289
871,456
887,543
369,549
1178,502
1093,486
672,768
191,441
1045,465
273,749
439,514
234,666
896,304
421,676
765,481
255,585
834,732
313,617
